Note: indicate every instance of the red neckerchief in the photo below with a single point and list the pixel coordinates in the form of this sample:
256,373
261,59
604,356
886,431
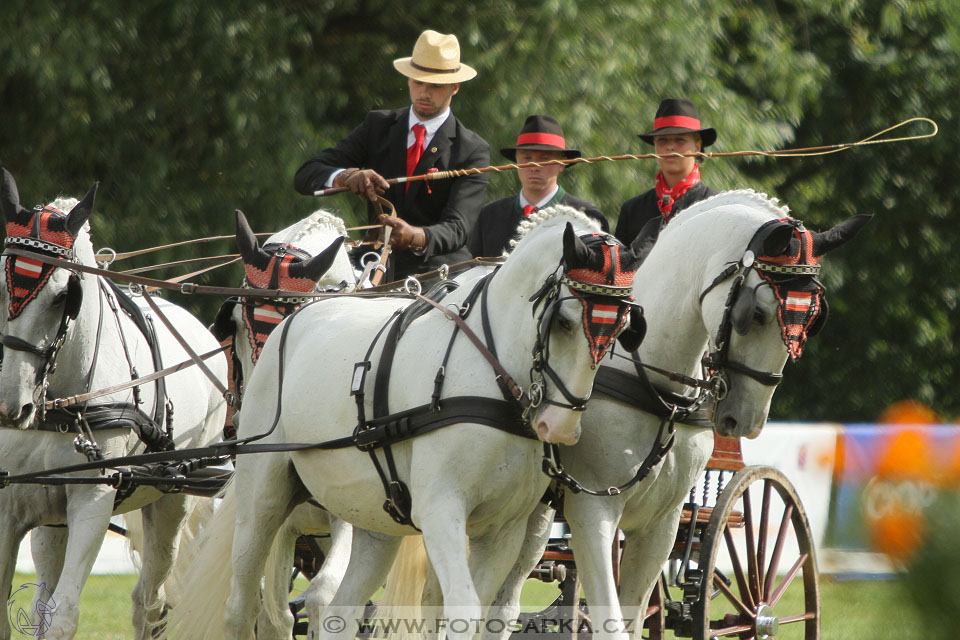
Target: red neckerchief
667,196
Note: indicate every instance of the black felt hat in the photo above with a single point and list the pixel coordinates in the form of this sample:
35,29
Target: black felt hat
540,133
677,116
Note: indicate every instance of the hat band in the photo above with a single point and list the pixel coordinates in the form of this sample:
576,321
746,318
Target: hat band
551,139
676,121
431,69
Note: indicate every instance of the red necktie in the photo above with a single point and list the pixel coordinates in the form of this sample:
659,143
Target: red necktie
528,209
415,151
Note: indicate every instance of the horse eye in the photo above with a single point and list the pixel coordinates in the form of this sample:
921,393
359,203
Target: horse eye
565,324
60,297
759,317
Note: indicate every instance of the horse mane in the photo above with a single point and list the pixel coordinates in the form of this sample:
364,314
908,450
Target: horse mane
738,197
317,221
550,216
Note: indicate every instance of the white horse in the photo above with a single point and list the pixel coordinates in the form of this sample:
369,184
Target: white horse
307,256
100,348
685,299
465,480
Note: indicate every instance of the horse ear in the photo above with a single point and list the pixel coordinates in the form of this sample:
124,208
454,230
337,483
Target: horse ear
839,235
575,252
777,241
81,212
246,239
320,263
9,196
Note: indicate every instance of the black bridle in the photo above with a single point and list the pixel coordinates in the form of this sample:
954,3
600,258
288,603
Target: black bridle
718,359
71,308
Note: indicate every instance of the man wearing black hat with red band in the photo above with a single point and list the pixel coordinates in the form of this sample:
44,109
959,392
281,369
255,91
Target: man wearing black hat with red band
676,130
540,140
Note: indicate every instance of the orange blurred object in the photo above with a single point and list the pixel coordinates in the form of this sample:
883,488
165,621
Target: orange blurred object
908,412
899,533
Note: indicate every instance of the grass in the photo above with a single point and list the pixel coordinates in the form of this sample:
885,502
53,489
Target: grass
851,610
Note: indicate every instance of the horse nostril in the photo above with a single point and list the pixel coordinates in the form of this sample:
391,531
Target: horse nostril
542,431
727,426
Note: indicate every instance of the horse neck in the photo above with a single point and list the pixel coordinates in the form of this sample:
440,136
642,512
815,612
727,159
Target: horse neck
510,312
91,338
682,264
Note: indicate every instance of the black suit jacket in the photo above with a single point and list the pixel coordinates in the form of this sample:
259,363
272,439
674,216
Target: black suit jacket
499,219
638,211
448,209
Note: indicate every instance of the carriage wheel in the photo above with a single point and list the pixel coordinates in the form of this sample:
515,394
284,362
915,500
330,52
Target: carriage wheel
765,554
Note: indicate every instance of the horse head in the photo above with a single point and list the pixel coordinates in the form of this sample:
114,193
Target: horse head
41,300
767,307
279,264
581,302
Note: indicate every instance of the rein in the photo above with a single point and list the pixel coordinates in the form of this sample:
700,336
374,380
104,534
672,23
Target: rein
805,152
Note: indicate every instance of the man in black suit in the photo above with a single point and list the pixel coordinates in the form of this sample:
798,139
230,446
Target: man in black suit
540,140
435,218
676,130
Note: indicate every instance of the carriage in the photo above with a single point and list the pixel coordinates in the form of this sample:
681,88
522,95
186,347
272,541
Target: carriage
707,528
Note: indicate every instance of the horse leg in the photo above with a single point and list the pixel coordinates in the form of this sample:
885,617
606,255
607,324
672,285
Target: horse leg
593,523
506,604
11,534
161,526
275,619
371,555
492,558
270,489
445,537
88,514
643,556
324,585
47,546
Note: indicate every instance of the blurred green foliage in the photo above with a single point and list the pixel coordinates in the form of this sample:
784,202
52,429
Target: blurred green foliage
187,110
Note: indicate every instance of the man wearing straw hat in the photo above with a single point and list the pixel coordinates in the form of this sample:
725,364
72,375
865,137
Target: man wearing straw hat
676,130
540,140
435,218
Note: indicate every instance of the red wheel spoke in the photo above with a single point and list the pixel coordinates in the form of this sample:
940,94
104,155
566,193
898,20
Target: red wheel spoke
738,569
788,579
732,597
762,536
752,571
730,631
771,576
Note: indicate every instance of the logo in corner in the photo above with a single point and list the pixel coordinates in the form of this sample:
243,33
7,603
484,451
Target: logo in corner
19,609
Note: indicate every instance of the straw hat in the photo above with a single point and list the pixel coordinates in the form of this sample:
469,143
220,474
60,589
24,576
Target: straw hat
435,59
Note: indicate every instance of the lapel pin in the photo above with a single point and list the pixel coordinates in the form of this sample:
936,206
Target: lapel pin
433,149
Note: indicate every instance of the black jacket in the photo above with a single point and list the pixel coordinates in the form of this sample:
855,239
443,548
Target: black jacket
638,211
499,220
448,209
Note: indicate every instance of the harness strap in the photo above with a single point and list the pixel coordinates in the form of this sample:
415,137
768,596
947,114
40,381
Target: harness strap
640,393
186,347
553,468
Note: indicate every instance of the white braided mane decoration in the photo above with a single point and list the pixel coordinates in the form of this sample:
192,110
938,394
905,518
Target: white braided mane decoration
545,216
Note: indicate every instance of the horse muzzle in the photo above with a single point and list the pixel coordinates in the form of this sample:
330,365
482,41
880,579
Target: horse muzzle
556,425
